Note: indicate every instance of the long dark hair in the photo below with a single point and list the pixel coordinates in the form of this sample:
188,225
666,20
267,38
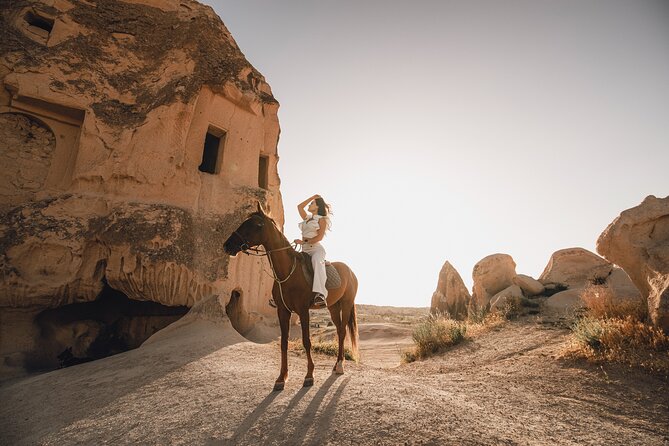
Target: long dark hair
324,211
323,207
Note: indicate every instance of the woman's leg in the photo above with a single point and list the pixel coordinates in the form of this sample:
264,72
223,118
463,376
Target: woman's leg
318,262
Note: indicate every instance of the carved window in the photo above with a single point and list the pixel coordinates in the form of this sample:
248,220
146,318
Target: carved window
212,152
263,169
39,24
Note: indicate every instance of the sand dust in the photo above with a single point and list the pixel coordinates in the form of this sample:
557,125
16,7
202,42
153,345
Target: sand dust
200,382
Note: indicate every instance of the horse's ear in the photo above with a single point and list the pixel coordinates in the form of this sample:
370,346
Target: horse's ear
260,209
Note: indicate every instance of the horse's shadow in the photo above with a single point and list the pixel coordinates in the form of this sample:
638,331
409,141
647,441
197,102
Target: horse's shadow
304,421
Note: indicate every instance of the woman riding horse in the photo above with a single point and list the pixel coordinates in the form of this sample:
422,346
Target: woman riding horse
293,294
313,230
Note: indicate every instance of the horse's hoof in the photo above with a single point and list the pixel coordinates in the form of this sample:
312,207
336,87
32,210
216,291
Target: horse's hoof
278,386
339,368
308,382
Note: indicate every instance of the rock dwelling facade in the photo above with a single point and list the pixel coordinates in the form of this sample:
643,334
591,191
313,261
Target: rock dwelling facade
134,138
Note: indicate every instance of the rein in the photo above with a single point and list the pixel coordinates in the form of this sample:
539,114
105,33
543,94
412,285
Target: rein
245,248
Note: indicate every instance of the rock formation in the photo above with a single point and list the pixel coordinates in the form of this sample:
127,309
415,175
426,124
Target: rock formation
499,300
575,267
491,275
451,295
638,241
567,300
530,286
134,138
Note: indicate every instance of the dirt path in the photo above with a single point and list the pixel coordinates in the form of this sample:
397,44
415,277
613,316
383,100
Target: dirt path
201,383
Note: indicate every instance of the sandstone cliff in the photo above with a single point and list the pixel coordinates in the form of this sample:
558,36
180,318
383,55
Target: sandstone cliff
135,136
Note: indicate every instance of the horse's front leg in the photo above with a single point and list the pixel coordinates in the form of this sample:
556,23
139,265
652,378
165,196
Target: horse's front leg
306,341
284,323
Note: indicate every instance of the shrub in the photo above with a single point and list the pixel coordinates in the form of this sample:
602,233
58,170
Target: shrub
477,315
433,335
624,340
602,303
588,331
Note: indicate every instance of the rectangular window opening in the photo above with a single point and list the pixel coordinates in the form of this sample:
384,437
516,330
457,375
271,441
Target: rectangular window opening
263,168
212,153
39,21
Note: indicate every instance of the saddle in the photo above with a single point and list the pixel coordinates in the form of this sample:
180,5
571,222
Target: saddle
333,278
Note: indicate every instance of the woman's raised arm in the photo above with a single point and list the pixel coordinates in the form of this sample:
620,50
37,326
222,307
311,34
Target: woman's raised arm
300,207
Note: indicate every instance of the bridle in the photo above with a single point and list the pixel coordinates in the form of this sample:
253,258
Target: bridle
249,250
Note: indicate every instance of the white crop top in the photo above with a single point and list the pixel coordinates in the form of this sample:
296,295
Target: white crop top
309,227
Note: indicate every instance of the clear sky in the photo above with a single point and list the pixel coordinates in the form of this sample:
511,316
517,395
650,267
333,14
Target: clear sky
450,130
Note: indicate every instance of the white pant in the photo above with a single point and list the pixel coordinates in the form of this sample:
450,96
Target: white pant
317,253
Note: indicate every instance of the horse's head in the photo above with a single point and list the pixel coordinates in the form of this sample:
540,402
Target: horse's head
252,232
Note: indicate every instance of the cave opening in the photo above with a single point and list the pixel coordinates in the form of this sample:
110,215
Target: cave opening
111,324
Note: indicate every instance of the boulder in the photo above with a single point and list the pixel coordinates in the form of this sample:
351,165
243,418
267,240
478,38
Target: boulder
530,286
491,275
575,268
638,241
622,286
499,300
568,300
451,295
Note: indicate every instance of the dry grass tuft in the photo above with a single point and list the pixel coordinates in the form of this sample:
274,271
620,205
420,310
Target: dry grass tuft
331,348
515,307
602,304
437,333
328,348
624,340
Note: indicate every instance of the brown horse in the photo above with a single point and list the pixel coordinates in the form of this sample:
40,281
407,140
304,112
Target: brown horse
292,293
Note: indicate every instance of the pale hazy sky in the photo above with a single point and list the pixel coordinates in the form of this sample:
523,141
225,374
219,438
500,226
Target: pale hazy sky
450,130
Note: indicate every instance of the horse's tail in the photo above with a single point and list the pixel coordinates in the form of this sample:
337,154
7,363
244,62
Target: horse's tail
352,327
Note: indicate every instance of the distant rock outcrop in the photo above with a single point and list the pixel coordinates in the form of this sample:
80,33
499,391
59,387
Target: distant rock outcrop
499,300
491,275
638,241
451,296
575,267
530,286
566,300
134,138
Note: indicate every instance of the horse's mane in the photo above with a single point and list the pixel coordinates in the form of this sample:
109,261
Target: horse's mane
291,251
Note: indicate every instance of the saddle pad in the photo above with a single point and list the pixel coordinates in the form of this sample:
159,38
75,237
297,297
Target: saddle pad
333,278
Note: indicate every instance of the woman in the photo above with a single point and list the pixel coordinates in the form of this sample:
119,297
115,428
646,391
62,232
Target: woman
313,229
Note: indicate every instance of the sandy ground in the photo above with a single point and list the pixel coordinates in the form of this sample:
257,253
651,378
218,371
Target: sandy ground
199,382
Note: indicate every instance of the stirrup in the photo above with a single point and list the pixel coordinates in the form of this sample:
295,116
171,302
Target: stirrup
319,301
271,302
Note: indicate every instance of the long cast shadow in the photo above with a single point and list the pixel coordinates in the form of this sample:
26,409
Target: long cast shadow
248,422
315,402
322,424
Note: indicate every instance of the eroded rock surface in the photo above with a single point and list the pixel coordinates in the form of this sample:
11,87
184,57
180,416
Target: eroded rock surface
134,137
500,300
491,275
529,285
575,267
638,241
451,295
